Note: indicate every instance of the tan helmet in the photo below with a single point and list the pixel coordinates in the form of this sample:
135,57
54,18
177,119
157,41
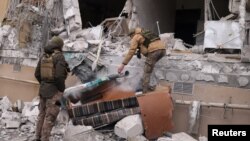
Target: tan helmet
57,41
131,31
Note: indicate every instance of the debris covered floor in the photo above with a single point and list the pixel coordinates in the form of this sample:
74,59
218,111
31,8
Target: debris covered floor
207,65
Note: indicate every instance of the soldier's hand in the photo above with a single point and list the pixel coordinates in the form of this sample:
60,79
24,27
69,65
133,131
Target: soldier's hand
120,68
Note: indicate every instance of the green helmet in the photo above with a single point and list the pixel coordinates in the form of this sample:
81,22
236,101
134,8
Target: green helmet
57,41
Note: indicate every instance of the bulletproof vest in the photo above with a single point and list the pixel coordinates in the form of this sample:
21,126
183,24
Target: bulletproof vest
149,37
47,68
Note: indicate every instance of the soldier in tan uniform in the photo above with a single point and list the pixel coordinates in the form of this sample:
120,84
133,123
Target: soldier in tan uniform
150,46
51,72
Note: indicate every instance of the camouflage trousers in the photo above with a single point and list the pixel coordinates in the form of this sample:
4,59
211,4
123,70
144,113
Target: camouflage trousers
48,111
152,59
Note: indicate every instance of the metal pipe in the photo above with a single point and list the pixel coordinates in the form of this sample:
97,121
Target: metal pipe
20,80
218,105
158,27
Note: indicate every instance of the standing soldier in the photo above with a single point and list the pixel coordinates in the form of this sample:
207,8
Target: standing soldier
51,72
148,44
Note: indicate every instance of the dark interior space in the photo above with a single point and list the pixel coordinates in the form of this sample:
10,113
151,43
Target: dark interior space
221,7
186,24
93,12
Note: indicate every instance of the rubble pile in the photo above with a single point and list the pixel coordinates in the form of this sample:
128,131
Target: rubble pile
17,121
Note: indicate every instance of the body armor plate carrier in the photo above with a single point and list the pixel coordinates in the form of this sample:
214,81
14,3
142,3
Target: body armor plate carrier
149,37
47,68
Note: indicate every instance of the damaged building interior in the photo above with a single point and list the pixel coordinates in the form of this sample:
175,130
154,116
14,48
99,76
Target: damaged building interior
203,79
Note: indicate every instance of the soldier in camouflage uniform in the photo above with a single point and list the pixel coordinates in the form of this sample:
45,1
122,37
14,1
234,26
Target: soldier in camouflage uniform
51,72
151,47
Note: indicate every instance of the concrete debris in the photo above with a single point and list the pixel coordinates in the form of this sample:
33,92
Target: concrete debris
178,137
182,137
80,45
11,116
130,126
78,133
5,104
28,128
197,49
203,138
69,13
165,139
5,30
10,124
74,59
93,33
138,138
194,117
18,106
179,45
58,30
30,109
168,39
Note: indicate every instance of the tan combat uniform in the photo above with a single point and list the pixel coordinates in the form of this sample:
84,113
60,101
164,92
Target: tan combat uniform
50,92
155,51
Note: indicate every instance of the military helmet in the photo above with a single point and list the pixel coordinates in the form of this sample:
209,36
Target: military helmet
57,41
131,31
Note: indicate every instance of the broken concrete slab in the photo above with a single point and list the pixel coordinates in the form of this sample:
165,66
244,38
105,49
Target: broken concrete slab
5,30
58,30
30,109
194,117
93,33
69,13
128,127
179,46
10,124
80,45
10,115
168,39
5,104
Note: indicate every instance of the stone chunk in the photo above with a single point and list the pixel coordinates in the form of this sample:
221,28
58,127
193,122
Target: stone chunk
223,79
129,127
10,124
243,81
5,104
79,133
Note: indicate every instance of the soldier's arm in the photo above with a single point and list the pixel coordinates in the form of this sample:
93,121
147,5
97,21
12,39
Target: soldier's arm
61,72
133,46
